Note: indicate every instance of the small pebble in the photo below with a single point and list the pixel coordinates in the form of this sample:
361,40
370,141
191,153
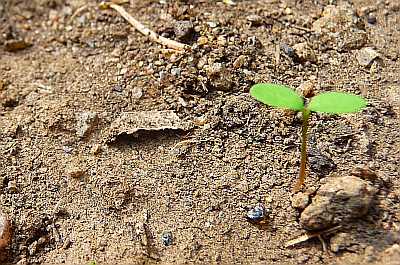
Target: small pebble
67,149
221,40
123,71
98,61
339,28
53,15
300,201
369,254
202,40
12,187
15,45
212,24
306,89
183,30
76,172
96,149
288,11
304,53
256,215
67,243
166,78
137,92
371,20
289,51
254,19
176,71
240,61
219,76
118,88
166,238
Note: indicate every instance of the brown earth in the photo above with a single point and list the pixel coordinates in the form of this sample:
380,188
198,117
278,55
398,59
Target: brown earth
96,166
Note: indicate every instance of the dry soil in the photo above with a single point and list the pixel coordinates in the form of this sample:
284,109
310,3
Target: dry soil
120,150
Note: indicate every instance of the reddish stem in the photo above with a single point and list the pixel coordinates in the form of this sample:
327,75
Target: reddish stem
302,174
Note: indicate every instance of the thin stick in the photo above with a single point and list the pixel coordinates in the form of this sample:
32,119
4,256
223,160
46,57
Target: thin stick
77,12
308,236
147,32
324,246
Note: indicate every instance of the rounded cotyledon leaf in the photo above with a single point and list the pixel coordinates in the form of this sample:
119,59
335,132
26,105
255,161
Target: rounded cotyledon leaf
277,96
336,102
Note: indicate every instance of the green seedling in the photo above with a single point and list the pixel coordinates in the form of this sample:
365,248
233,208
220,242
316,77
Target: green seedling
328,102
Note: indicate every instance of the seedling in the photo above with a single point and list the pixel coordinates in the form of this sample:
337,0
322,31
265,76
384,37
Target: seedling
328,102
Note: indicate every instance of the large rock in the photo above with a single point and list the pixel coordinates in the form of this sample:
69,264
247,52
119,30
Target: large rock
338,201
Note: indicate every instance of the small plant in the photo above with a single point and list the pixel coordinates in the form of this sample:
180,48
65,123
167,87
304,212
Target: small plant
328,102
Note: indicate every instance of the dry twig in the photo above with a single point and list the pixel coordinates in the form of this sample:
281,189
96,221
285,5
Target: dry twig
308,236
77,12
147,32
137,25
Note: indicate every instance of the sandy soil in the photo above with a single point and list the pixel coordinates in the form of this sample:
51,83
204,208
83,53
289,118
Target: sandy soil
117,149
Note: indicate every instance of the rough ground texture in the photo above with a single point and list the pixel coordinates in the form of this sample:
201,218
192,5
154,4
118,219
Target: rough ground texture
76,188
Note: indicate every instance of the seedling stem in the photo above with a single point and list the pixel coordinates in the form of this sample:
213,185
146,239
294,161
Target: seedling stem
302,174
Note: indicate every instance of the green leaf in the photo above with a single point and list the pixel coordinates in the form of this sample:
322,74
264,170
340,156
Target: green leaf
336,102
277,96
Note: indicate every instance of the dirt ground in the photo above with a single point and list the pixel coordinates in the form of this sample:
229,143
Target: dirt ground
120,150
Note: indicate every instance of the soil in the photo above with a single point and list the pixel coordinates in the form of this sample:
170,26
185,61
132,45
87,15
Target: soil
173,182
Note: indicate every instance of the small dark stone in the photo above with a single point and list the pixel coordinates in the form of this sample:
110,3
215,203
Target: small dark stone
183,30
118,88
256,215
166,238
371,20
289,51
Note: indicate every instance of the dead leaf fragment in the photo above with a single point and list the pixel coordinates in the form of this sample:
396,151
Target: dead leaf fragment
86,123
366,56
132,122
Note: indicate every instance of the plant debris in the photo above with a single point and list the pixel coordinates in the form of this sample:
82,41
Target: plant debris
131,123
